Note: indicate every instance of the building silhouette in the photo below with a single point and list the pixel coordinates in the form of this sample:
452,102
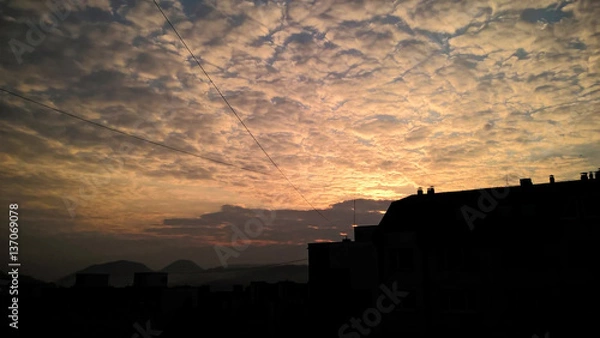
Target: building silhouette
514,261
150,279
95,309
94,280
497,262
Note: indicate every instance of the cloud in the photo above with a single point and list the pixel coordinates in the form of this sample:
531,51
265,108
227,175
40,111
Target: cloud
351,99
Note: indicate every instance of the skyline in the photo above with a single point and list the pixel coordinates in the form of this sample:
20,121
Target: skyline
352,100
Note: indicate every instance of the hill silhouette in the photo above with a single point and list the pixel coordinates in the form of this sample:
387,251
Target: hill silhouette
182,266
121,273
24,281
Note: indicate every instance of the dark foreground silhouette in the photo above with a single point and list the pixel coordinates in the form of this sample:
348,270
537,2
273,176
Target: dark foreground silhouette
512,262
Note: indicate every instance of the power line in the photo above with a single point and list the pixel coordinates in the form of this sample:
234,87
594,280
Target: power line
128,134
283,263
235,113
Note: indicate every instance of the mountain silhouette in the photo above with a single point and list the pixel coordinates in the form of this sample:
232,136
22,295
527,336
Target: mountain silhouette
26,282
121,273
182,266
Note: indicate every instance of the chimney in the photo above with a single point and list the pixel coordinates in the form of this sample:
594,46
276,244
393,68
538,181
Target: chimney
420,191
584,177
592,175
526,182
430,191
551,178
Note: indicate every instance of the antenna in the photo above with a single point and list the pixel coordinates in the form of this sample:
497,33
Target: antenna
354,212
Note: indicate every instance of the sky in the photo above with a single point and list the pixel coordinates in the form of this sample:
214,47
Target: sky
353,100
